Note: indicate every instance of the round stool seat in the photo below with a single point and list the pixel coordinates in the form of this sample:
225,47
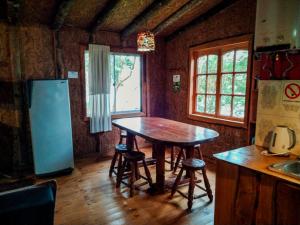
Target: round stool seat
122,148
134,156
193,164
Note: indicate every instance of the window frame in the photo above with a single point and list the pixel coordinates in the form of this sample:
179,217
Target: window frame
219,47
127,114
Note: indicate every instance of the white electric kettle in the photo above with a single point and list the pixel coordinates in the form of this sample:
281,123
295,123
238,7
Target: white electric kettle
283,140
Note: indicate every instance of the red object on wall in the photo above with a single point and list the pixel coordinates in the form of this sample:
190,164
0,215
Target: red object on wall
277,63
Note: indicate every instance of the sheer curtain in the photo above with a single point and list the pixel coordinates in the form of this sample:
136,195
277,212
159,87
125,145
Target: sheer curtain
99,88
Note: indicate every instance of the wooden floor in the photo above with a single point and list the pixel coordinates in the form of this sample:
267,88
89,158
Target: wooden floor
88,196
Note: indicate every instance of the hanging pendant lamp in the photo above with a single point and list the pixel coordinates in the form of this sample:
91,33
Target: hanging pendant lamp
145,41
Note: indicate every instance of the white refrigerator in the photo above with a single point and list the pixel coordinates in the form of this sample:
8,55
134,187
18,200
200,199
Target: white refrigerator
51,130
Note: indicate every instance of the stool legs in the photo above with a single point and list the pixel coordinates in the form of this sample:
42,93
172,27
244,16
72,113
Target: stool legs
207,185
135,174
120,174
180,156
112,164
191,166
172,159
178,178
137,171
135,143
200,153
147,172
119,164
132,178
191,189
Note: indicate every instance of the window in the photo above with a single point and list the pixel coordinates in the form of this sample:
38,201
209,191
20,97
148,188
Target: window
126,91
219,81
126,83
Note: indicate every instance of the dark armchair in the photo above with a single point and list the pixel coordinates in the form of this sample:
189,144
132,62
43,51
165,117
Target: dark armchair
33,205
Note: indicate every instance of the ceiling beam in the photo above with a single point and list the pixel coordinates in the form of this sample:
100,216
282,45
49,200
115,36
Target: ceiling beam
177,15
142,18
61,14
102,15
208,14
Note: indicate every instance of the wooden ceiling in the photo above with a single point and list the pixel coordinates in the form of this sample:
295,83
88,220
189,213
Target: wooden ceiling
164,17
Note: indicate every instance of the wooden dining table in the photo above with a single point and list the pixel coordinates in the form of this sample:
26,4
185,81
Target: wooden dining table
162,133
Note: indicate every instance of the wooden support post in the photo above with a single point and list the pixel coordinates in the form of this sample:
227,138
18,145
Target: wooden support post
21,154
58,56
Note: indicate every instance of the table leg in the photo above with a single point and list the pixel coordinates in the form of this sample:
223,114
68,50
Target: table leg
190,152
130,140
159,150
153,152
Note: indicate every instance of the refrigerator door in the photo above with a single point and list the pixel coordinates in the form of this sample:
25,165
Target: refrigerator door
51,130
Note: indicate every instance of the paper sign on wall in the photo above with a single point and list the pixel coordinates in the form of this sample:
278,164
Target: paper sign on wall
291,91
176,83
72,74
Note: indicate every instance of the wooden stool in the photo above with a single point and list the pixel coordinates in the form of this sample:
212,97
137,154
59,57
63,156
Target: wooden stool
132,158
123,135
120,149
191,165
182,156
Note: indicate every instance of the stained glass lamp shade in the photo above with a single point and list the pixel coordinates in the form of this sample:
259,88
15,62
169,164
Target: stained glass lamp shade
145,41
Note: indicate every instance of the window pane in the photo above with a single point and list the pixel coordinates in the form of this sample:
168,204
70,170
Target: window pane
211,84
125,83
241,60
201,84
238,106
212,63
227,62
210,104
200,103
225,105
226,84
201,64
240,81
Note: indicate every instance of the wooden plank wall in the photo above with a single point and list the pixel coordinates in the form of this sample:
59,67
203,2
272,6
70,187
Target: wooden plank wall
8,123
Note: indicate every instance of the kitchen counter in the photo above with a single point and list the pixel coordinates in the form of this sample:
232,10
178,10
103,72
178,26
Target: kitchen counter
248,193
250,157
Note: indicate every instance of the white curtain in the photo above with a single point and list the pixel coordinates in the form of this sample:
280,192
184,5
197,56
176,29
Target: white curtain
99,88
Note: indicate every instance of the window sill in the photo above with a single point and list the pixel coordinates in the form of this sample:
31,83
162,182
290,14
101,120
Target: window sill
121,115
127,115
214,120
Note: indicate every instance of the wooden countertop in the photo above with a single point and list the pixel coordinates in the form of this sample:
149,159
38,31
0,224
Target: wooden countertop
250,157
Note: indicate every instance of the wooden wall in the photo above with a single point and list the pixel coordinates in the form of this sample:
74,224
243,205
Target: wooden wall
236,20
36,50
8,122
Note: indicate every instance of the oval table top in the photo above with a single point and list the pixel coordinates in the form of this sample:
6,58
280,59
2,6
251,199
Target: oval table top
166,131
